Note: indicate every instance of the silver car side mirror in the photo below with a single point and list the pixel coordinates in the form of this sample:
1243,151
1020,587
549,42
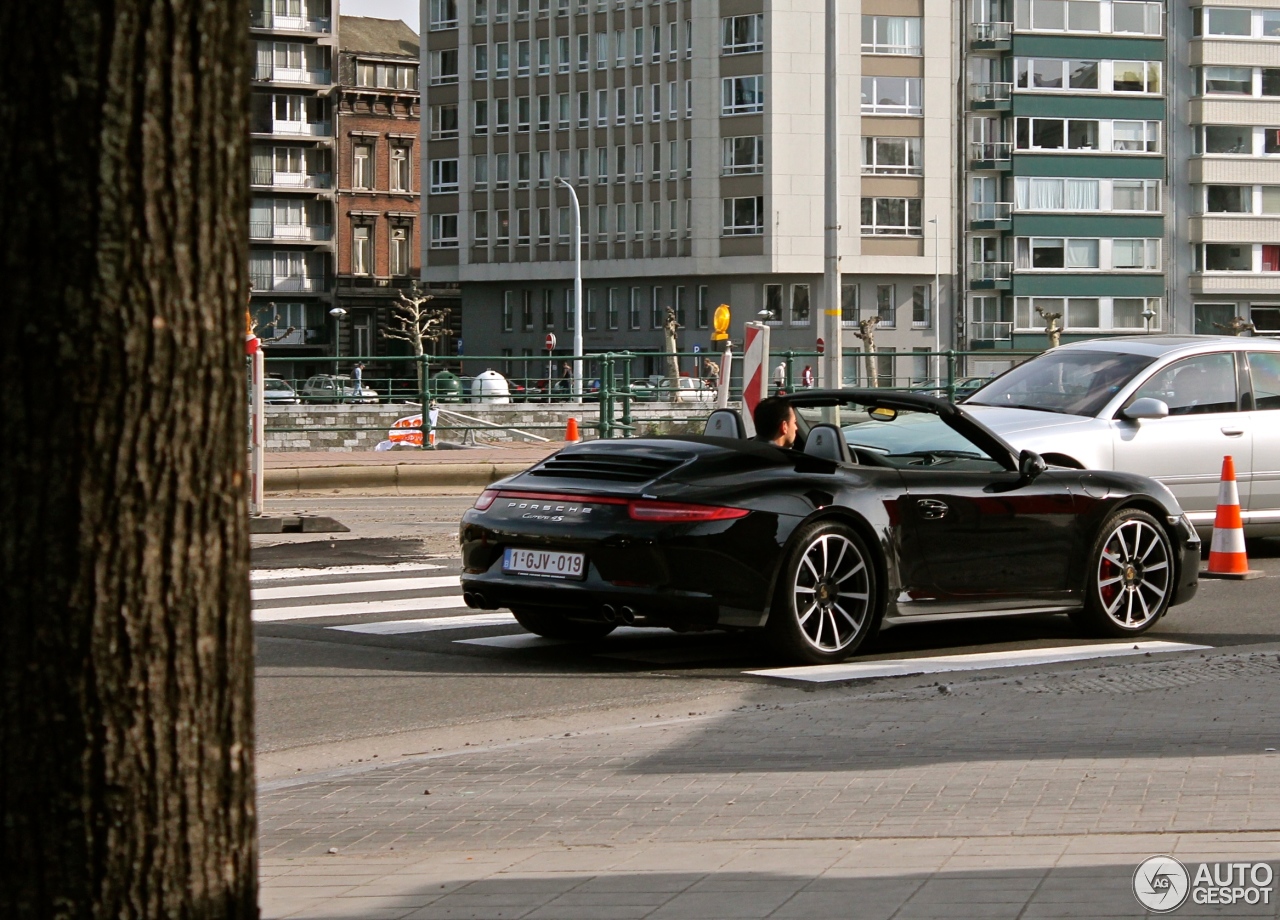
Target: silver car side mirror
1144,408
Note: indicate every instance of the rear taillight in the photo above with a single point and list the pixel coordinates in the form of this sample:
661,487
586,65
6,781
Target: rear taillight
675,512
486,499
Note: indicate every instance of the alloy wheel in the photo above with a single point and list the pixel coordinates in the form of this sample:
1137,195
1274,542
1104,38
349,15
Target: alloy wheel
831,593
1134,574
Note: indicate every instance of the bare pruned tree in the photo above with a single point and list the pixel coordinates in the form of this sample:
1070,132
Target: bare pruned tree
1051,328
414,322
867,333
253,323
1237,325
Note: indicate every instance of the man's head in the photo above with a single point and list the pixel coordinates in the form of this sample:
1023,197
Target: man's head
775,421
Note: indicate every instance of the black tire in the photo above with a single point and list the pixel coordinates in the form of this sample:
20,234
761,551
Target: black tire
556,626
830,563
1129,576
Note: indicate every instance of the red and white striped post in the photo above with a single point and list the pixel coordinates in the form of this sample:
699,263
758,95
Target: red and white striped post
755,372
257,415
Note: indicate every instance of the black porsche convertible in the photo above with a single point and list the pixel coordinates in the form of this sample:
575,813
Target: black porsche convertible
890,508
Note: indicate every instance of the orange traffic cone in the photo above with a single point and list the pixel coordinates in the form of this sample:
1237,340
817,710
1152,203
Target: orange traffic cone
571,431
1227,558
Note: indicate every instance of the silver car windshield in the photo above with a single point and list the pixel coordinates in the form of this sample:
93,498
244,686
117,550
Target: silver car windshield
1069,382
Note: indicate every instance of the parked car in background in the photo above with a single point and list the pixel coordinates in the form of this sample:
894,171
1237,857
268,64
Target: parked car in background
336,388
1169,407
278,392
684,389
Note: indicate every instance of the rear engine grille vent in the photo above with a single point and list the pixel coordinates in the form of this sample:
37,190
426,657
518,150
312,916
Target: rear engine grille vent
608,467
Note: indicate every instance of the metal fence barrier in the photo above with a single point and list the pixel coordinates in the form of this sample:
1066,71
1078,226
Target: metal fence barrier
610,382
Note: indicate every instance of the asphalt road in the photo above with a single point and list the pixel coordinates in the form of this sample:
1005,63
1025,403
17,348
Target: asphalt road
329,695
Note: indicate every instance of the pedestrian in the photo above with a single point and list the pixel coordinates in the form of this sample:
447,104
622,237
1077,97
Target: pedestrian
711,371
357,379
566,378
780,377
806,376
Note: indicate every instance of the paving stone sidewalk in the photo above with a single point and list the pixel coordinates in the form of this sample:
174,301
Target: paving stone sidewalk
1005,794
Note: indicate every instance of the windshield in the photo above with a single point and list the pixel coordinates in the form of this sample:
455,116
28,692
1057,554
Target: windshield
912,440
1070,382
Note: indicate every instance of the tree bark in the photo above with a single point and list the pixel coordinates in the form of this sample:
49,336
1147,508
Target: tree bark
126,756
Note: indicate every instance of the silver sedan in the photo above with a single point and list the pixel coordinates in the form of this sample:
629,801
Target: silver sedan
1169,407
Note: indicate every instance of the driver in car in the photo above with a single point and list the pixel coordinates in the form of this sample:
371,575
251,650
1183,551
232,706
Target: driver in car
775,422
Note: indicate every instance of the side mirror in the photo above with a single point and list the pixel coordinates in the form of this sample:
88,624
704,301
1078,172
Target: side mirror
1030,465
1146,407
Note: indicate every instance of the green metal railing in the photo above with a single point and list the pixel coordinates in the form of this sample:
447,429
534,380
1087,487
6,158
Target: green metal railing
609,383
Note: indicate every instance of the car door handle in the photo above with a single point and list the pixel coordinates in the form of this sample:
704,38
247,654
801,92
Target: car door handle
1233,432
931,509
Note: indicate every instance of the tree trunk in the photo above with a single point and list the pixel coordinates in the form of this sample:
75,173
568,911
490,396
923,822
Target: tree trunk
125,642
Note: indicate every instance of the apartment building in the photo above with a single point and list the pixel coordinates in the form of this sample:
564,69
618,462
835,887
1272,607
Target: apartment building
291,219
379,184
1065,171
692,132
1226,166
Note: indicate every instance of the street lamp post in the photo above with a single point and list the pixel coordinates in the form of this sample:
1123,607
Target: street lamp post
937,309
337,313
1148,315
577,288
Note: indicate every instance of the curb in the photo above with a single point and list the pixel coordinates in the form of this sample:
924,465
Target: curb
401,479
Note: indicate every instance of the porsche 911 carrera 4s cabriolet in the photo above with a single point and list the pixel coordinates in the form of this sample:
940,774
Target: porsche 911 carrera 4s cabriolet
890,508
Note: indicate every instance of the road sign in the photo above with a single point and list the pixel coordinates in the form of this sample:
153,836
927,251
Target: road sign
459,345
551,341
697,349
821,346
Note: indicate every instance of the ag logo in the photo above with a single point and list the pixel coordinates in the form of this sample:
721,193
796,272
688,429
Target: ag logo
1161,884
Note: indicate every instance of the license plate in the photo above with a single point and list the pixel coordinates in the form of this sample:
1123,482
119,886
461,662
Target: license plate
548,564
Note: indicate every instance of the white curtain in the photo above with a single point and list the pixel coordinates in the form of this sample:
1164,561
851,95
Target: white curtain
1082,195
1046,194
1082,253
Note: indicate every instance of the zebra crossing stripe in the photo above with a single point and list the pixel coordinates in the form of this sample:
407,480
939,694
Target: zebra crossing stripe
377,586
431,624
261,575
357,608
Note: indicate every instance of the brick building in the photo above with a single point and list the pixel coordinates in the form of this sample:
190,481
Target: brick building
379,186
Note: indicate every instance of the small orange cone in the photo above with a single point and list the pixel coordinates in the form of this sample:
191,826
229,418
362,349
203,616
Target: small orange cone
571,431
1227,558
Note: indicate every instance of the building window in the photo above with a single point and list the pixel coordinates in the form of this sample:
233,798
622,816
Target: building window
593,307
480,121
891,156
611,309
400,168
891,35
504,227
526,310
739,95
481,59
501,60
1086,135
680,305
700,316
361,166
444,66
799,304
480,225
1136,18
508,310
444,122
1236,23
633,309
891,96
399,252
1039,253
444,233
361,250
743,155
548,310
444,176
891,217
773,303
886,305
849,305
919,306
656,312
743,216
444,14
1135,254
742,34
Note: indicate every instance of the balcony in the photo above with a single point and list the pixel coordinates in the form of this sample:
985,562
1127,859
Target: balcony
269,177
996,155
990,335
990,96
990,36
990,215
262,19
289,233
304,336
990,276
301,128
270,74
289,284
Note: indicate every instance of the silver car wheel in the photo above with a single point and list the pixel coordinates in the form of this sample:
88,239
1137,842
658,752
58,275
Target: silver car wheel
831,594
1135,573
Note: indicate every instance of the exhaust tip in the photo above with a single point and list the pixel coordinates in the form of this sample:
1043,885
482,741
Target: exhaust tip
627,616
610,615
